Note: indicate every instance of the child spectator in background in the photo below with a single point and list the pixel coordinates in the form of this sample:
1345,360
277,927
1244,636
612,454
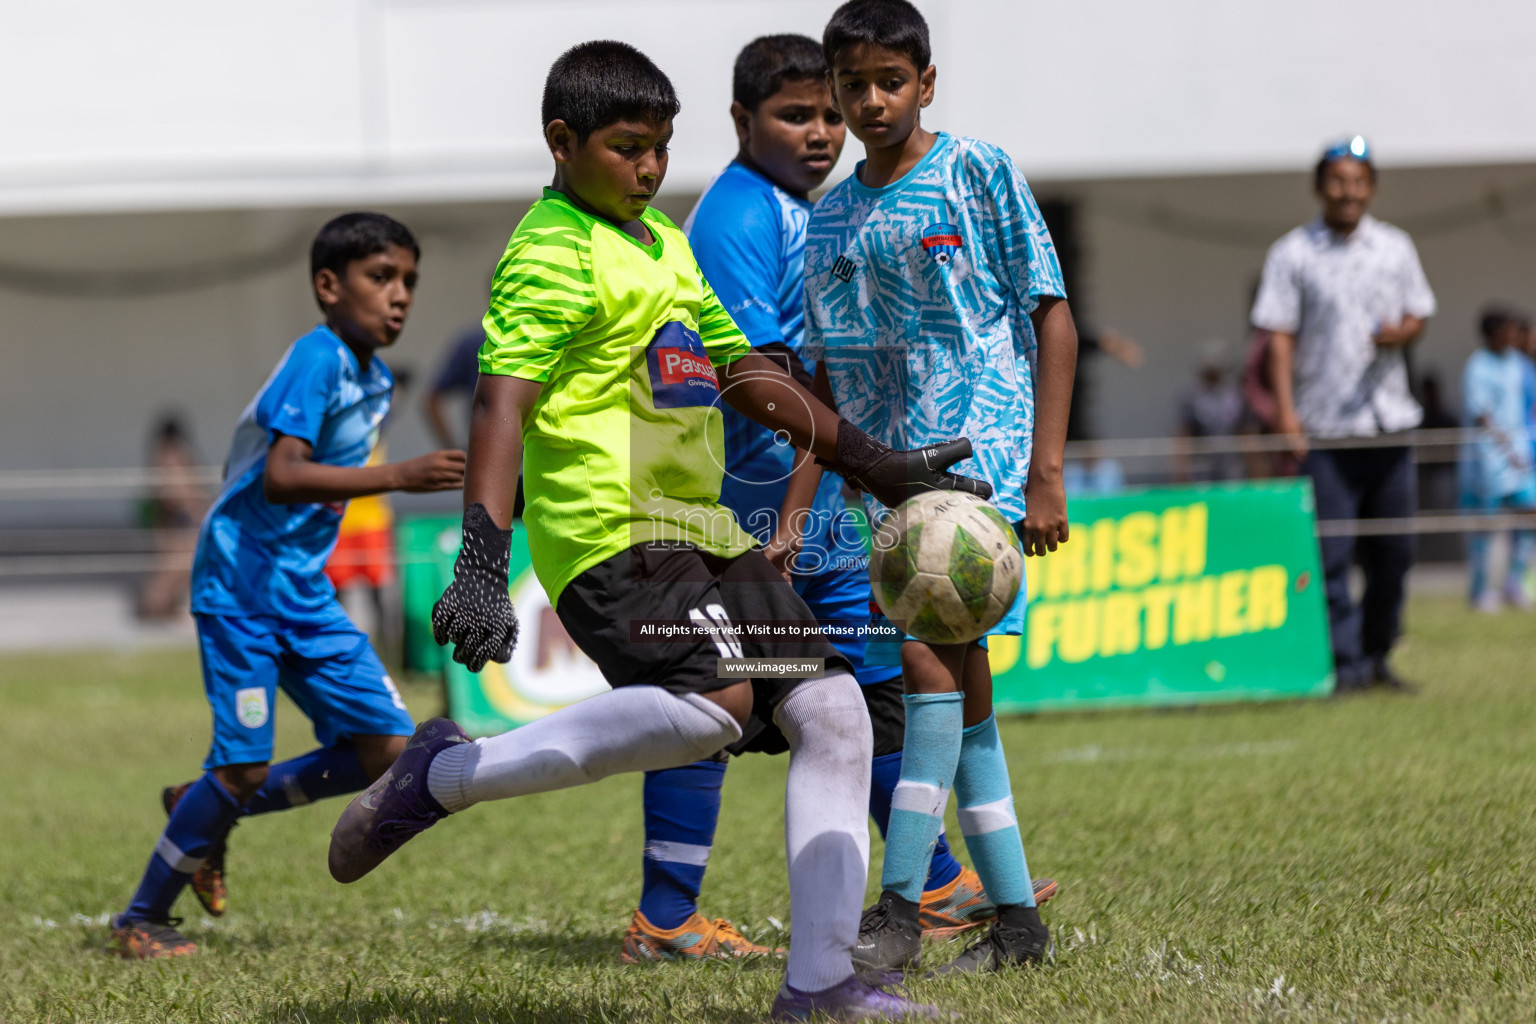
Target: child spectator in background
1213,408
173,513
1497,471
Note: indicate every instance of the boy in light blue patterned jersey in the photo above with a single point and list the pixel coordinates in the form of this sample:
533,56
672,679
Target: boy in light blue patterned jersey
748,234
935,304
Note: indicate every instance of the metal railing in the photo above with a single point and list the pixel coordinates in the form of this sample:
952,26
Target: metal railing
81,551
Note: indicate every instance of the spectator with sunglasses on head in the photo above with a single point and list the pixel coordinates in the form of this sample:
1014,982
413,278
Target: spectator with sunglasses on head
1342,297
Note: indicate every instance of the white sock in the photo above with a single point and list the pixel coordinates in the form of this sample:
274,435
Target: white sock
826,834
631,729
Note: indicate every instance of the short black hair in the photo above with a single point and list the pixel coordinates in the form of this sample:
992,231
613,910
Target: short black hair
889,24
1323,164
597,83
1494,317
767,62
356,236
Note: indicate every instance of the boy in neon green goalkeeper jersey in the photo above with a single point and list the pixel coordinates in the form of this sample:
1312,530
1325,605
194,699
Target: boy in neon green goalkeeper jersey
606,358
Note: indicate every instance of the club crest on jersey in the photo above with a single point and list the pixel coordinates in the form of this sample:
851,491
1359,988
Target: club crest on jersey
942,242
681,373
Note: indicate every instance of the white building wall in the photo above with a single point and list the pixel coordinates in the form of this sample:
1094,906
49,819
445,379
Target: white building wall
171,135
165,104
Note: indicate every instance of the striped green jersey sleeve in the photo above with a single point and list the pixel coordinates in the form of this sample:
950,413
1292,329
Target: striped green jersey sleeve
722,339
541,297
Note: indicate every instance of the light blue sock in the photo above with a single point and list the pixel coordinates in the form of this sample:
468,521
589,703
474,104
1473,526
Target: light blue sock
987,818
930,751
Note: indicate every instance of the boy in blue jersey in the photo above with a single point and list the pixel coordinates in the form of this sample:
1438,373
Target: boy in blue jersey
935,305
748,234
267,617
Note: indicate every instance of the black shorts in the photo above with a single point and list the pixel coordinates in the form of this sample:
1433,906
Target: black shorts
887,715
608,607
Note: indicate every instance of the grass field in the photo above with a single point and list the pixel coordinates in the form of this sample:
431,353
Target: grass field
1369,859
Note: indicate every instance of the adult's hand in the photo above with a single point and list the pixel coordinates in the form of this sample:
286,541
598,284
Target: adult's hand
1289,427
1399,334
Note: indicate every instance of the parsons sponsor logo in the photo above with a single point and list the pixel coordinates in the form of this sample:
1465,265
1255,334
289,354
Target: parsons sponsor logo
680,371
679,366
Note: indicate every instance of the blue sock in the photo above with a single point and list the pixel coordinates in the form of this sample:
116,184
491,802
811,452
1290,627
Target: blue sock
987,818
931,749
328,771
682,807
202,816
885,770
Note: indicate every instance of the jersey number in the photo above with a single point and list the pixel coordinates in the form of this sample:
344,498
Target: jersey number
718,625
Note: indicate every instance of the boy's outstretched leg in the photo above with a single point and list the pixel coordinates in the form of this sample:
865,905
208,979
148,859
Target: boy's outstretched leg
634,728
146,930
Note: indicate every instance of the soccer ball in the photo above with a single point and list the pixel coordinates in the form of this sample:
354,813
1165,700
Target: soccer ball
945,567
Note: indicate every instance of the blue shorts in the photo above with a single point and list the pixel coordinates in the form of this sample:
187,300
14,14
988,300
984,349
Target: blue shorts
330,671
840,599
1011,624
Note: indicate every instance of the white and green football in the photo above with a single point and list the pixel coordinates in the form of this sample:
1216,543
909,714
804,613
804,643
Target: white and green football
945,567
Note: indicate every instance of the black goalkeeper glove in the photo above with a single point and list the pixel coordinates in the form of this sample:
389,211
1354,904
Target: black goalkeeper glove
475,612
894,476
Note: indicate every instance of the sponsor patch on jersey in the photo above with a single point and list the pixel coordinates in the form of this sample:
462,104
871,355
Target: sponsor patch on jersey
681,373
942,242
844,268
251,707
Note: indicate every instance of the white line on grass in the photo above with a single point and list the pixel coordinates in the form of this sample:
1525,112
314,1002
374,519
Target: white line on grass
1094,753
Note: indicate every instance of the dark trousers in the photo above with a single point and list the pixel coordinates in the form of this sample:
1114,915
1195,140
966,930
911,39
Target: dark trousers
1364,483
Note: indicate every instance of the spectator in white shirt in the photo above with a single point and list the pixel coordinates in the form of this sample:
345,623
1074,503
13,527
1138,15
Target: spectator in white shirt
1342,297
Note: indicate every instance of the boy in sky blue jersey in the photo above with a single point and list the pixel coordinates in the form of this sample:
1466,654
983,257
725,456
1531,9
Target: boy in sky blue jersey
1497,469
748,234
934,303
267,617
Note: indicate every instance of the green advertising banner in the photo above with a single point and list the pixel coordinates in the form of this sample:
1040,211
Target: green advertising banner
1173,596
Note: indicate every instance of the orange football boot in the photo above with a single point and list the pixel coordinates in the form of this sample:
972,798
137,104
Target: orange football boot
697,938
963,904
149,940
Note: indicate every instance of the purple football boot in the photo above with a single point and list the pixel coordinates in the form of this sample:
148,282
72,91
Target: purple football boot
853,999
382,817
